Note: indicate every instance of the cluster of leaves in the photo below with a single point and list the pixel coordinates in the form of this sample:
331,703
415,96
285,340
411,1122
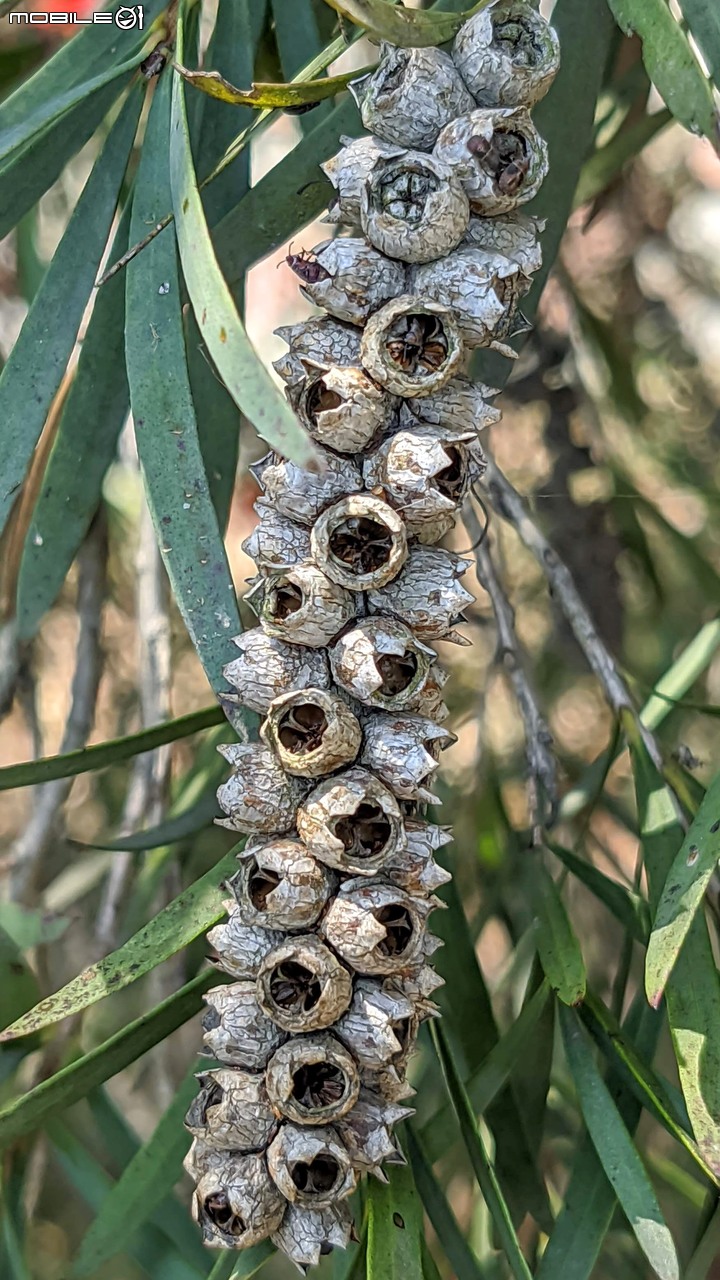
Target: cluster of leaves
169,198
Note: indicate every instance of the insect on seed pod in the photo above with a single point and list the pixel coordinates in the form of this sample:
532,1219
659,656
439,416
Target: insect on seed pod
236,1203
321,339
348,278
306,1234
236,1030
515,235
508,55
421,474
241,947
311,1167
276,542
302,606
483,290
279,886
498,155
302,494
427,594
382,664
267,668
312,732
342,408
313,1080
367,1133
376,927
412,346
351,822
414,868
460,406
232,1111
258,796
360,541
414,208
408,98
349,170
302,986
403,751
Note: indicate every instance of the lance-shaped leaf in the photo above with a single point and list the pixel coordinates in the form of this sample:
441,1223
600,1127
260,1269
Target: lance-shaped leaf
267,96
465,1265
395,1227
703,19
412,28
558,948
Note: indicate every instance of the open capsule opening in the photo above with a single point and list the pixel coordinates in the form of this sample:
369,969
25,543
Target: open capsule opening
364,545
319,1084
318,1176
302,727
399,929
397,671
451,480
417,343
284,600
219,1210
293,988
364,833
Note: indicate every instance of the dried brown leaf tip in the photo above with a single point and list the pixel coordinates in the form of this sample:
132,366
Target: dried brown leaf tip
327,935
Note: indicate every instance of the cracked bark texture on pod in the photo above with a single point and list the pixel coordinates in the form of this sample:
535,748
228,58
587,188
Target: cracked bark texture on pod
326,939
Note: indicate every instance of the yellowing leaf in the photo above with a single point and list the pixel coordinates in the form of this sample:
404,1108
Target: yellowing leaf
267,96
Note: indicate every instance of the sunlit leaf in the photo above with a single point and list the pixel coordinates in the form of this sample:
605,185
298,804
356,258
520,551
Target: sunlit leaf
395,1227
401,26
558,948
266,96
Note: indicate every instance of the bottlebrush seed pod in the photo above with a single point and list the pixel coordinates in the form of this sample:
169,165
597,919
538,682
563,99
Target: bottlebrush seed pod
426,594
414,868
412,346
351,822
376,927
305,1234
301,494
421,474
312,732
403,751
342,408
497,154
302,986
268,668
302,606
408,98
508,55
313,1080
460,406
348,278
236,1203
378,1025
360,541
279,886
349,170
382,664
413,208
241,947
483,290
232,1111
514,235
276,542
320,339
311,1167
367,1133
236,1030
258,796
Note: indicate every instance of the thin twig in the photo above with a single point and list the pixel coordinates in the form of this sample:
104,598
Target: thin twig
542,771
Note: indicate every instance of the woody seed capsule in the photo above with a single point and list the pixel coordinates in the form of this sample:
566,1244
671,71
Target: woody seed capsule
403,750
351,822
360,541
483,290
367,1133
236,1030
348,278
412,346
276,542
279,886
235,1203
508,55
426,594
318,339
232,1111
313,1080
312,732
498,155
241,947
305,1234
460,406
408,98
515,235
348,172
302,494
311,1166
268,668
302,986
382,664
376,927
342,408
413,208
422,475
302,606
258,796
377,1026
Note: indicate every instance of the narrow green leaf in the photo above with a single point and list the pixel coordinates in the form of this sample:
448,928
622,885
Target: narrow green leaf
629,908
264,97
412,28
184,919
618,1154
296,34
558,948
165,426
30,380
670,63
683,893
32,772
708,1249
464,1264
703,19
143,1185
217,317
395,1227
71,1083
253,1261
607,162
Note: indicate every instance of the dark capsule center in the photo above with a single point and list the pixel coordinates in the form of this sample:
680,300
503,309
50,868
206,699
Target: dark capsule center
260,885
403,190
301,729
362,544
518,41
417,344
398,929
504,157
295,988
220,1211
320,398
364,833
397,671
318,1084
317,1177
401,1029
284,601
450,481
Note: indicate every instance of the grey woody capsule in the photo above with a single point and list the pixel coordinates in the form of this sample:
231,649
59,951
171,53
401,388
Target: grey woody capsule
412,346
408,98
312,732
276,541
413,208
515,235
258,796
377,1026
302,986
312,1080
497,154
306,1234
310,1166
351,822
483,290
241,947
376,927
236,1030
403,751
349,170
414,868
420,474
302,606
382,664
342,408
508,55
236,1203
360,542
367,1133
460,406
268,668
232,1111
391,1083
418,986
321,339
301,494
349,278
279,886
427,594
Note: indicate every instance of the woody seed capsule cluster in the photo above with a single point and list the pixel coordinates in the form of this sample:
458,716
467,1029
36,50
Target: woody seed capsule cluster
327,938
